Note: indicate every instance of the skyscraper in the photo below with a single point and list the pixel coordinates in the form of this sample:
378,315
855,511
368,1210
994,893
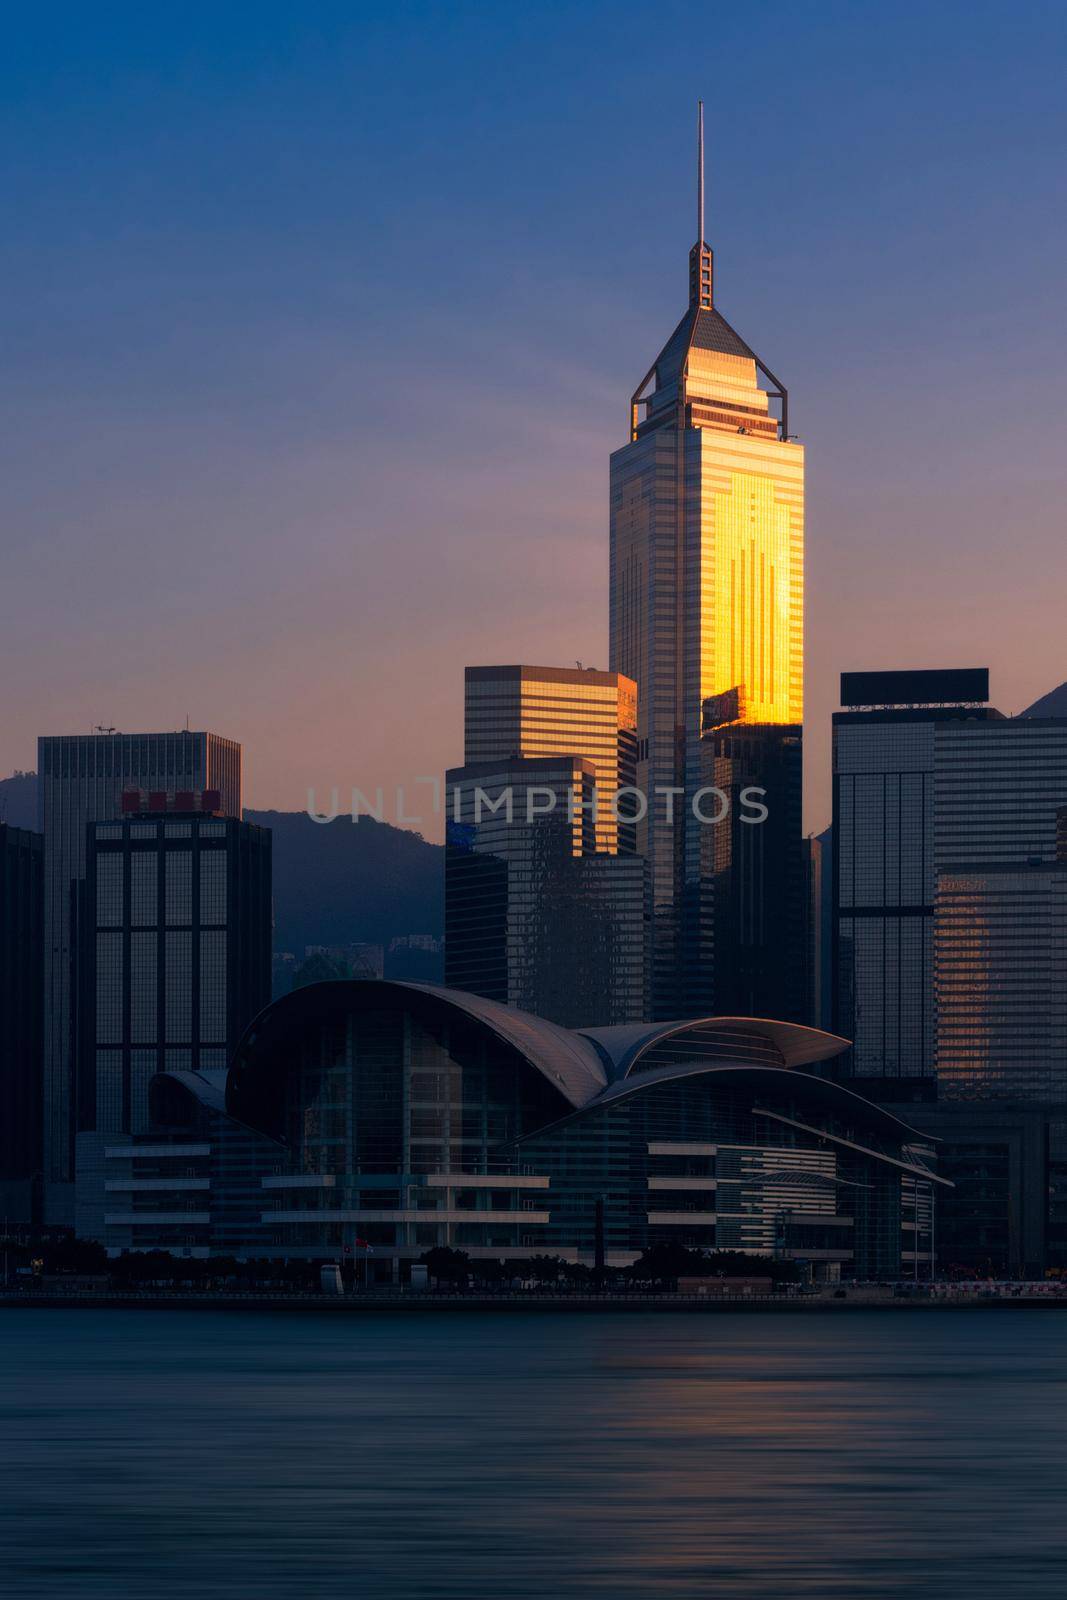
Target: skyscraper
885,777
551,711
544,897
746,915
175,962
707,580
1000,984
535,916
998,787
21,973
950,916
1000,964
1000,850
81,778
820,880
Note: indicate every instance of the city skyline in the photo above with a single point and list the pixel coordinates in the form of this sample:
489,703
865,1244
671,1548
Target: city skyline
222,410
622,1138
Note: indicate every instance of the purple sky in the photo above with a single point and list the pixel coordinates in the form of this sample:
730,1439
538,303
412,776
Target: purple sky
318,333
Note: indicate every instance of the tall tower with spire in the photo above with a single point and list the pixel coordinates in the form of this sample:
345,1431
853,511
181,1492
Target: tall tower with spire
707,599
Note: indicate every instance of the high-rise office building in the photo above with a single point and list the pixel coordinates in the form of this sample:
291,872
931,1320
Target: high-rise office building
175,943
707,580
1000,977
998,787
81,779
535,916
21,977
1000,973
949,922
820,876
550,711
544,897
884,862
746,914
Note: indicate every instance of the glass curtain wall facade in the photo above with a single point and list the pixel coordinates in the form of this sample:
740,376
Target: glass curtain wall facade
21,969
747,944
81,779
706,582
998,787
535,916
1000,946
177,929
517,711
1003,1214
720,1163
395,1113
884,893
884,875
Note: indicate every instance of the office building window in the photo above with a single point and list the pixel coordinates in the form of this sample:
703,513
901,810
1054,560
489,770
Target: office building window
144,1027
143,895
212,986
109,991
109,1115
179,881
109,890
213,887
179,988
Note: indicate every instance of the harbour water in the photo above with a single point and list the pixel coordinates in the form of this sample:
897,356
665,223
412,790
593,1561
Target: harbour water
249,1454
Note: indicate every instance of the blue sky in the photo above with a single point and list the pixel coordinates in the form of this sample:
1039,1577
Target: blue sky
319,324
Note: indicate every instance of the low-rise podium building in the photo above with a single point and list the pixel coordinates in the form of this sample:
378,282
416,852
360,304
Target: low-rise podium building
401,1117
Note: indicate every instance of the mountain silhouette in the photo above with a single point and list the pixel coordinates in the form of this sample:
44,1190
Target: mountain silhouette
1053,704
335,883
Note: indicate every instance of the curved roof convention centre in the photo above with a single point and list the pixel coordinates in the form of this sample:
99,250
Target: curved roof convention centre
582,1065
587,1068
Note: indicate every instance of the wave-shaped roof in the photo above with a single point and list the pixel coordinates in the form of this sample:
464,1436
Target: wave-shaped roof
625,1046
564,1057
822,1092
582,1065
569,1062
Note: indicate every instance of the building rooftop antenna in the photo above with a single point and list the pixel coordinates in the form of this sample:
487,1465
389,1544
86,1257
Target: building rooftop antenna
700,173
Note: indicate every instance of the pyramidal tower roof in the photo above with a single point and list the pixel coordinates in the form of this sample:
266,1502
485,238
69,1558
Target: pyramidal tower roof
702,328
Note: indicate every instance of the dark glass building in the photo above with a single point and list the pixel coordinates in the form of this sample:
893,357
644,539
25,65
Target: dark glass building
81,778
544,899
176,929
1000,971
949,820
999,785
820,878
747,934
21,976
536,916
1005,1214
886,769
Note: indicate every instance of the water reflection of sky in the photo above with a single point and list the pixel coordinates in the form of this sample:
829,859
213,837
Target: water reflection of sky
882,1454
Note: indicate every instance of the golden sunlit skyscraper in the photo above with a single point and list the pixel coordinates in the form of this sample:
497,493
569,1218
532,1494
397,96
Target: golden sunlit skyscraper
544,894
707,592
550,711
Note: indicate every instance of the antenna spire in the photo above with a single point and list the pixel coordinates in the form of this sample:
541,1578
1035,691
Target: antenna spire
700,259
700,173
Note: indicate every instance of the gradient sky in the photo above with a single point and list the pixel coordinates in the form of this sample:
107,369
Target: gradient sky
319,324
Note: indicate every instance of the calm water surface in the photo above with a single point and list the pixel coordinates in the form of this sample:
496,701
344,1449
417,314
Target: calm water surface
229,1455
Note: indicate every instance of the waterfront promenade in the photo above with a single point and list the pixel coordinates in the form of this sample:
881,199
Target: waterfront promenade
995,1298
